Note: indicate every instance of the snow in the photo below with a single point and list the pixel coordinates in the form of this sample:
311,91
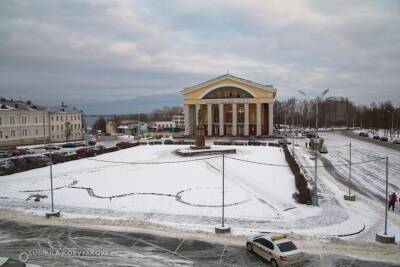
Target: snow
251,191
186,193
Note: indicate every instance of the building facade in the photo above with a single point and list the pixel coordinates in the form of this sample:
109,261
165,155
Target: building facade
179,121
65,124
22,123
229,106
162,125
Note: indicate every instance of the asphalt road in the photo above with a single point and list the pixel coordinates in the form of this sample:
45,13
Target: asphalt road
388,144
111,248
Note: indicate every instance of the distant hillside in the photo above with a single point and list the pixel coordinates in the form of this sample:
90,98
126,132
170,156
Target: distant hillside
143,104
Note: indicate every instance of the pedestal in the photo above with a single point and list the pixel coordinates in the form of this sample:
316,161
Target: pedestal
349,197
219,229
55,213
386,239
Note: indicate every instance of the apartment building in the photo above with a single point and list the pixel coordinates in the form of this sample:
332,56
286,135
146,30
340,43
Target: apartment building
65,124
22,123
179,121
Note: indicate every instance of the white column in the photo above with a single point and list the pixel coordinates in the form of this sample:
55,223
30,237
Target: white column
187,119
221,119
271,118
246,119
209,119
197,115
258,117
234,119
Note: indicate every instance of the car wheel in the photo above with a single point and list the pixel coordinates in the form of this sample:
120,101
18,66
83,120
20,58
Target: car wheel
249,247
274,263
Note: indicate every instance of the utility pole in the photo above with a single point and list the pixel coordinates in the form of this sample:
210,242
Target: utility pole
350,197
386,194
315,187
223,189
52,213
221,229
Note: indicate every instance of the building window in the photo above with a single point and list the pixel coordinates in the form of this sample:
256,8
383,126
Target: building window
61,118
1,135
58,128
52,127
58,136
12,133
1,120
12,120
62,127
24,132
52,118
36,119
23,120
56,118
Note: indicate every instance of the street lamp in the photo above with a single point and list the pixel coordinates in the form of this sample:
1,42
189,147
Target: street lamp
315,187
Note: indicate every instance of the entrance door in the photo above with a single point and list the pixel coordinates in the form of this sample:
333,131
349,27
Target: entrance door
252,129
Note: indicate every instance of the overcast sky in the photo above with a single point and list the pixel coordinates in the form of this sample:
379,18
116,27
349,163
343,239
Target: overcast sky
96,51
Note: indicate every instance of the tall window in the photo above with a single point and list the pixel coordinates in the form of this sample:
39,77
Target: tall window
24,132
12,133
1,120
12,120
36,119
23,120
1,135
37,131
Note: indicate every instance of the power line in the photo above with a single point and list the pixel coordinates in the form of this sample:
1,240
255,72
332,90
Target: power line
155,162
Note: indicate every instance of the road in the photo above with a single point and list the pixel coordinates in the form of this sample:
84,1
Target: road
133,249
372,141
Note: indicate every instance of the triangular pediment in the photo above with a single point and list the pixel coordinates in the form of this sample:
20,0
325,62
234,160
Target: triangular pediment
232,79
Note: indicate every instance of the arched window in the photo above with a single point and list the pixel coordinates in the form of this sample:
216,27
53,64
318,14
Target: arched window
227,92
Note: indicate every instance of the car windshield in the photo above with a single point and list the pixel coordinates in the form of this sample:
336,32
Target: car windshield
287,246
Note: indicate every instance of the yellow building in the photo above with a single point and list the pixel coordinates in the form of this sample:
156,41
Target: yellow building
229,106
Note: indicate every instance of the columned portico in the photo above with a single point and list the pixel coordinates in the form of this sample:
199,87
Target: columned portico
221,119
229,106
246,119
209,119
234,119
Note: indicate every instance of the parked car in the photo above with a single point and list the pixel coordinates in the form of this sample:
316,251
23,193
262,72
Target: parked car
52,147
80,144
384,139
376,137
5,261
396,141
363,134
123,144
4,154
16,152
6,163
168,142
99,147
91,143
84,151
69,145
276,249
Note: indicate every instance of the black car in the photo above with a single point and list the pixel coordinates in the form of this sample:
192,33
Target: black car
376,137
91,143
384,139
363,134
168,142
69,145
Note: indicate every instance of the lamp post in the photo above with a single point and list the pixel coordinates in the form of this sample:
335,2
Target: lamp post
315,187
222,229
52,213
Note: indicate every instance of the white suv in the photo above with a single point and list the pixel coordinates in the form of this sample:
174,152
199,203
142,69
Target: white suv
276,249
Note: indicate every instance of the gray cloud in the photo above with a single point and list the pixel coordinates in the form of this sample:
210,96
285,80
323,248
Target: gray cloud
97,51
